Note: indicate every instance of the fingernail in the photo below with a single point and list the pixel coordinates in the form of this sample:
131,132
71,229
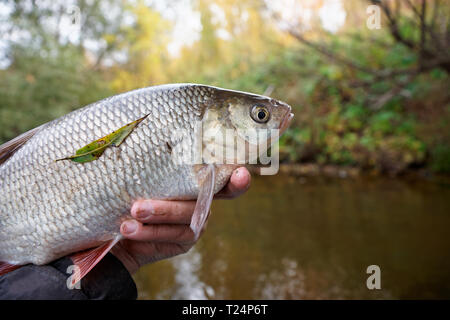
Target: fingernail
145,210
129,227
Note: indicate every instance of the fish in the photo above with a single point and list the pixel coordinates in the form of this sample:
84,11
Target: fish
67,185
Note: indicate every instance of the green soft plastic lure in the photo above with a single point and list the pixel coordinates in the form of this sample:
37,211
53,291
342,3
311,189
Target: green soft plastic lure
94,150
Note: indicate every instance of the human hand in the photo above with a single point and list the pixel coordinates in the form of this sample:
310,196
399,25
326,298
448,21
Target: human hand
160,229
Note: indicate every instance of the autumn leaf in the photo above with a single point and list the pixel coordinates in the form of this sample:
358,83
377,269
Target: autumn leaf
94,150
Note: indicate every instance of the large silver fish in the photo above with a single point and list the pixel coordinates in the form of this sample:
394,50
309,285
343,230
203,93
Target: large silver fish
67,185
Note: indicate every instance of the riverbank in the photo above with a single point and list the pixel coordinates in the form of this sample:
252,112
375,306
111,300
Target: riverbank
335,171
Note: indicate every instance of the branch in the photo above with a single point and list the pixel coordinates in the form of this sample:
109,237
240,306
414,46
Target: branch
396,90
424,52
421,15
414,8
393,26
378,74
422,29
329,53
431,27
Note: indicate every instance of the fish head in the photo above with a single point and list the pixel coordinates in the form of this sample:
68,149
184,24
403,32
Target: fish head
255,122
249,111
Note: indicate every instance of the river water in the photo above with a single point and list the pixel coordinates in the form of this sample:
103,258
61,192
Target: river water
313,238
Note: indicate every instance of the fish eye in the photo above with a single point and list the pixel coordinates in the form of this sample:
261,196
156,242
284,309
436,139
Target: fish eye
260,114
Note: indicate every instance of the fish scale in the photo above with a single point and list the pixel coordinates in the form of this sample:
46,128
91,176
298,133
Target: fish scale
51,208
18,177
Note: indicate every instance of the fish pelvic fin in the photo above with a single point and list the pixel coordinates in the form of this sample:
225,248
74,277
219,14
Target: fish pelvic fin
6,267
88,259
204,200
9,148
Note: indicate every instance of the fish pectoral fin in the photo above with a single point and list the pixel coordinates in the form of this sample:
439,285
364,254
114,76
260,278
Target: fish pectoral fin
205,196
6,267
87,259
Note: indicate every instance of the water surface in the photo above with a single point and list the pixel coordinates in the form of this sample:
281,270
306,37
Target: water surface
313,238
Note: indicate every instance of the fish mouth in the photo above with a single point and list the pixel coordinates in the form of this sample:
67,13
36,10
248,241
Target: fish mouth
286,121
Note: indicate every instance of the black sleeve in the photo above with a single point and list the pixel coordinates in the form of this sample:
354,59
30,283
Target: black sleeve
109,279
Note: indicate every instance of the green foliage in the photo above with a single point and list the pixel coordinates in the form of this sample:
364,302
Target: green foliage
441,158
39,87
335,121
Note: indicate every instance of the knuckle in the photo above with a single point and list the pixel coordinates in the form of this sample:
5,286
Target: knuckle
157,232
184,248
182,233
184,236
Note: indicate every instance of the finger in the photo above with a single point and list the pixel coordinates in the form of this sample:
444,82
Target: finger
160,211
149,252
135,230
238,184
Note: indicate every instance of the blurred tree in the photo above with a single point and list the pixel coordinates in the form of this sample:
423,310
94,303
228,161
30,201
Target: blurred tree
145,48
94,27
36,89
359,96
372,98
420,34
54,50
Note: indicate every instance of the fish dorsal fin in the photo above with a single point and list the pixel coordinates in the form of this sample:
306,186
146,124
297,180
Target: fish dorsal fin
9,148
86,260
205,196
